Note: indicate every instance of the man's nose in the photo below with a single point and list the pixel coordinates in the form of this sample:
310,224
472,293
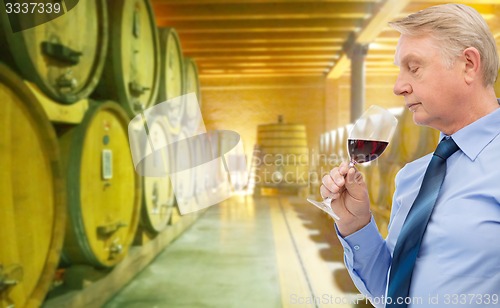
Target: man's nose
402,86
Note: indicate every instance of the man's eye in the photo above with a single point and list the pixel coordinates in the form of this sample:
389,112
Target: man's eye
414,69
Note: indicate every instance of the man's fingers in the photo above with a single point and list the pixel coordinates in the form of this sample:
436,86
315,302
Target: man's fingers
343,169
330,184
325,193
338,174
339,179
354,177
351,175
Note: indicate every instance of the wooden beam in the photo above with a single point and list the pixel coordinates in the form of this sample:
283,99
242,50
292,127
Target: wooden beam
391,47
276,60
268,25
290,42
189,48
233,57
264,53
381,56
187,2
468,2
385,12
234,11
207,65
249,37
259,75
487,10
392,70
380,63
265,71
340,67
321,66
387,40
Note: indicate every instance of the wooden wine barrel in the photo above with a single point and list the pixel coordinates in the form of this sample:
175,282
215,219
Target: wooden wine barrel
172,74
374,180
63,57
285,155
192,122
132,72
158,198
284,174
202,153
104,191
282,131
334,158
323,154
338,149
323,143
183,182
218,173
391,154
331,141
414,141
32,196
382,217
387,185
191,80
342,145
171,85
232,149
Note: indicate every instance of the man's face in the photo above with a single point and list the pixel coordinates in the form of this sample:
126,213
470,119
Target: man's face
430,88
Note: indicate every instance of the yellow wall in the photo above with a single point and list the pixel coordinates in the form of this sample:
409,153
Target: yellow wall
242,103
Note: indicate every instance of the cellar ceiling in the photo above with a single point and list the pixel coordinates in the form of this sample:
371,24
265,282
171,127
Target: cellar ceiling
293,37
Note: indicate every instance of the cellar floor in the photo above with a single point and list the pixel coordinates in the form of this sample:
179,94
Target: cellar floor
271,251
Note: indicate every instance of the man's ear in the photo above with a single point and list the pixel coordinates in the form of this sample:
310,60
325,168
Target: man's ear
472,64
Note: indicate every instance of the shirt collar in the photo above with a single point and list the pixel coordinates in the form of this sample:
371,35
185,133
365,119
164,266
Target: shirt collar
473,138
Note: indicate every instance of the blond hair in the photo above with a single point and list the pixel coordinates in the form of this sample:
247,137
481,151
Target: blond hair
455,27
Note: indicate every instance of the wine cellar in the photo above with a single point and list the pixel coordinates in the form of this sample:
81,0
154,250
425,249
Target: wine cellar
173,144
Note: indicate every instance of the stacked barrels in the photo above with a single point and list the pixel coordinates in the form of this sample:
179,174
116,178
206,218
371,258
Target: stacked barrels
335,150
410,142
284,156
69,88
33,196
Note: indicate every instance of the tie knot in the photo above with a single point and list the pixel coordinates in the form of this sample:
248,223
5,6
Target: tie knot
446,148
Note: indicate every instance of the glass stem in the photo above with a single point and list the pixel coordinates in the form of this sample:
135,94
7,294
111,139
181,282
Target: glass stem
352,163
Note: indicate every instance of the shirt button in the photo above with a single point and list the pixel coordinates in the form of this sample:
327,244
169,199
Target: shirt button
356,247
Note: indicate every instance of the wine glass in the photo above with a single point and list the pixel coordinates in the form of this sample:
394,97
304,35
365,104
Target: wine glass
368,139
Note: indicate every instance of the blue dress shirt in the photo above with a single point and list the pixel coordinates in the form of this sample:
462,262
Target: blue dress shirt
459,261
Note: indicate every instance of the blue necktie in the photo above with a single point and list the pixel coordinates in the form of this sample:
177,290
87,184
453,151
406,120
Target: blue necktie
410,238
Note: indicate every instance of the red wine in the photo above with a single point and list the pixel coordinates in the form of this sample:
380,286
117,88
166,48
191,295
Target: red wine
363,151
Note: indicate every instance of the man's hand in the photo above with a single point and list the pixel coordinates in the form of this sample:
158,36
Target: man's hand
351,203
